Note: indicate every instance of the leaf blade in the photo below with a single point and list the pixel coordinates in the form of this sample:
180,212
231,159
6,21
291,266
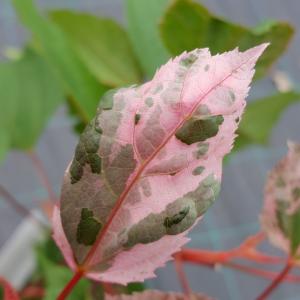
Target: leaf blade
143,19
196,27
266,113
102,44
77,80
125,195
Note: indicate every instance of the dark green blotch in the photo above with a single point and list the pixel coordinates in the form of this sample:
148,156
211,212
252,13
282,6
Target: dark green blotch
137,117
76,171
198,170
94,161
86,151
197,130
189,60
177,218
88,228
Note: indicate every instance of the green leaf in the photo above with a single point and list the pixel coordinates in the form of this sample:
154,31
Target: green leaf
79,83
29,95
143,28
289,224
188,25
57,276
261,116
135,287
103,46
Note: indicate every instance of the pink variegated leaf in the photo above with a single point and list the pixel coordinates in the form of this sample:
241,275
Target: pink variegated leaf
157,295
281,213
7,292
149,165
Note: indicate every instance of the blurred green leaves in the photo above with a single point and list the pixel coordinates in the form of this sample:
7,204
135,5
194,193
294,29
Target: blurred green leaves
188,25
29,95
261,116
55,277
78,56
103,46
78,82
143,18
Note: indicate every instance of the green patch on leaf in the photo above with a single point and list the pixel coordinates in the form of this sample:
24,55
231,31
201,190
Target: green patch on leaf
198,130
86,152
149,101
88,228
198,171
177,218
107,100
189,60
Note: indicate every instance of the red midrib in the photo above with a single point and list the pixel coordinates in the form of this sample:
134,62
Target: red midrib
124,194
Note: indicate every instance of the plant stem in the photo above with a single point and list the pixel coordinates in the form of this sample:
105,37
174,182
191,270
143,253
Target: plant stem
271,288
40,169
11,200
181,275
71,284
213,260
262,273
18,207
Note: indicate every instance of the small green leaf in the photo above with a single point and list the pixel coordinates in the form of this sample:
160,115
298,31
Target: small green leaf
143,27
261,116
289,224
57,276
135,287
187,25
103,46
198,130
29,95
52,43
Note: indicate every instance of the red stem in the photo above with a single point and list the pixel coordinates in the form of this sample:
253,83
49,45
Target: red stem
271,288
38,165
211,260
71,284
262,273
181,275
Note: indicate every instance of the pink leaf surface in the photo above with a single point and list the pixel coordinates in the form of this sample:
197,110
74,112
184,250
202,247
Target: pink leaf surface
8,291
280,217
149,165
157,295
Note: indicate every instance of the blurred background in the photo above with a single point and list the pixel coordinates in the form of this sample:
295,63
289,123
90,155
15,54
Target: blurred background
234,215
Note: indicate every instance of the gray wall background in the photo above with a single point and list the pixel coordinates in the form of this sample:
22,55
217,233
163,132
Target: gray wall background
234,215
